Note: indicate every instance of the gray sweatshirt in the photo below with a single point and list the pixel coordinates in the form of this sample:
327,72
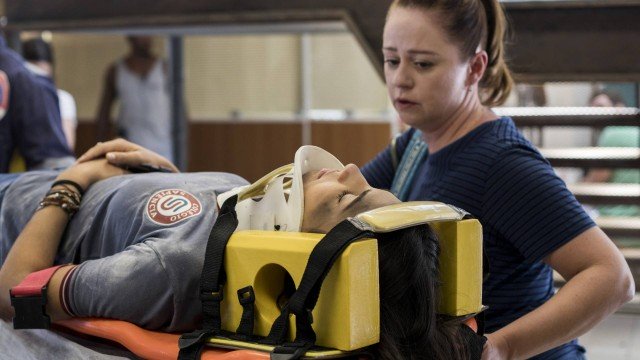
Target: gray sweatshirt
139,240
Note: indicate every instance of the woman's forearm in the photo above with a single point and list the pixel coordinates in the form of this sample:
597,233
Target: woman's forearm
577,307
35,249
599,283
36,246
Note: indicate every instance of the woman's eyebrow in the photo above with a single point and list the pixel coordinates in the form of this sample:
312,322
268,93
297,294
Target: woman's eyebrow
356,200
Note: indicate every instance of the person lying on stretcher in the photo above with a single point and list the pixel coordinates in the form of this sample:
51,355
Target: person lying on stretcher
135,242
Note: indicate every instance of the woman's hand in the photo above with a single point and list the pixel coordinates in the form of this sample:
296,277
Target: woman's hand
125,154
90,172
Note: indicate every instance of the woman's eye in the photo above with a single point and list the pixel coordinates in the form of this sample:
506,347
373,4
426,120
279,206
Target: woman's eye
391,62
342,194
423,64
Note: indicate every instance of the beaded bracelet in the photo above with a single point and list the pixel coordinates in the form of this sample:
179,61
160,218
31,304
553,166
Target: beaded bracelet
62,199
65,192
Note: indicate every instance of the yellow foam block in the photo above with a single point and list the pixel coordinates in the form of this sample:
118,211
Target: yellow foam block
460,266
347,315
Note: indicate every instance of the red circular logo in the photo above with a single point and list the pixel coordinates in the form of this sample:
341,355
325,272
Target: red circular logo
170,206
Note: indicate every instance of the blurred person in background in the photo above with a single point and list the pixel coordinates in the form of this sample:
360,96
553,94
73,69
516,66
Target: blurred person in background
30,125
40,60
139,82
615,136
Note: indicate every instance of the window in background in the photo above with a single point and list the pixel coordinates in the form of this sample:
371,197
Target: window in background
242,76
344,82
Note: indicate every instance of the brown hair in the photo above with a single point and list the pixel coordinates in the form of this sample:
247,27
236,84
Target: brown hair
471,23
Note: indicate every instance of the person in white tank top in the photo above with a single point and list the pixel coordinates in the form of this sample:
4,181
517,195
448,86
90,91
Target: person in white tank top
139,82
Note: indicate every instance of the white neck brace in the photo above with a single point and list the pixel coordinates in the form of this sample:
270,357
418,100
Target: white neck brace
276,201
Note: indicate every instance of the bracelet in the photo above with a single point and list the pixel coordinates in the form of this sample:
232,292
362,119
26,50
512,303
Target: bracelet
69,182
65,192
63,199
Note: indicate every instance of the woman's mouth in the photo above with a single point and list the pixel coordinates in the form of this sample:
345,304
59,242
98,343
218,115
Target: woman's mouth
402,104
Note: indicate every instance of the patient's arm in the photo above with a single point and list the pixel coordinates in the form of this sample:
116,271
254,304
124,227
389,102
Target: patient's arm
120,152
36,246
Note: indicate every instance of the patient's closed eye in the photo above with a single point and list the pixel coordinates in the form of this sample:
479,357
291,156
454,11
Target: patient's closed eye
342,195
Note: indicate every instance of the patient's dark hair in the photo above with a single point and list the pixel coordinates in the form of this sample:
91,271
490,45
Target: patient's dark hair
409,295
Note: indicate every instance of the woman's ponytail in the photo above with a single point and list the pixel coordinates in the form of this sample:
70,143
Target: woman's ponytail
497,81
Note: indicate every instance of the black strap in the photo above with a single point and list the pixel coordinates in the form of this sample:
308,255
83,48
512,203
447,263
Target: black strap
247,299
304,300
213,276
212,280
192,344
290,351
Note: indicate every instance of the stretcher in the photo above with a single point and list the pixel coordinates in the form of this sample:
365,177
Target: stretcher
149,344
460,271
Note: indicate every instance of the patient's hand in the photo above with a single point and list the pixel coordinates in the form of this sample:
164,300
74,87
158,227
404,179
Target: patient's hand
126,154
90,172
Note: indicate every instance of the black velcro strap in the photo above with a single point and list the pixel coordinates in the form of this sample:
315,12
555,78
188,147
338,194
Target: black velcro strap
290,351
304,300
192,344
213,276
279,328
30,311
322,257
247,299
212,280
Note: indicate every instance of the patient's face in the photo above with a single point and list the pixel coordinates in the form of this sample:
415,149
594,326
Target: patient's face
331,196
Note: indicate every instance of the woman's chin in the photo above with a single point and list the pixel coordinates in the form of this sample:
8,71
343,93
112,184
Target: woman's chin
412,120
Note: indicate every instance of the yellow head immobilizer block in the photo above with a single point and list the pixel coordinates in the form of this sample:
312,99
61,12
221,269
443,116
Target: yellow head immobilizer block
460,248
347,315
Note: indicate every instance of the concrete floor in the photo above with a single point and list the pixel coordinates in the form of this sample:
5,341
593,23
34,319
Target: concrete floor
616,338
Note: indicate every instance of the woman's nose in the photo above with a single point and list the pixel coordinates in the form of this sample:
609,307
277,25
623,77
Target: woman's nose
350,173
401,77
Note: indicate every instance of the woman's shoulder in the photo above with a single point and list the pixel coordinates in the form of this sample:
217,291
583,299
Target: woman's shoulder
503,136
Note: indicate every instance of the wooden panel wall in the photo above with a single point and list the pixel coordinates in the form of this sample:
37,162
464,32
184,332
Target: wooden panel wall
353,142
253,149
249,150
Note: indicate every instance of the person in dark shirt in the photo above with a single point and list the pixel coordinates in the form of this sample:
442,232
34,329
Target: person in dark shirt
29,117
445,68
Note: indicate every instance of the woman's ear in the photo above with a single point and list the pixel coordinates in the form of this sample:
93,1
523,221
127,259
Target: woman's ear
477,67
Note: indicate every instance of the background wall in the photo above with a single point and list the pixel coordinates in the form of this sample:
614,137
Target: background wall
255,76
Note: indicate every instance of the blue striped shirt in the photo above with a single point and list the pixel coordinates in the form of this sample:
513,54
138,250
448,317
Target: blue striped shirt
526,212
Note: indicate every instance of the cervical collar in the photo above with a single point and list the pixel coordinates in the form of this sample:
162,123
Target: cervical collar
276,201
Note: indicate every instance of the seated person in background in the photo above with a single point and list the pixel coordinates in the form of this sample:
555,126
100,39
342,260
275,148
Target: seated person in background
615,136
137,244
39,56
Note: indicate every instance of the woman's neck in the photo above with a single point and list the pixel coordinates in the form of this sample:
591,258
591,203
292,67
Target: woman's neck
466,118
